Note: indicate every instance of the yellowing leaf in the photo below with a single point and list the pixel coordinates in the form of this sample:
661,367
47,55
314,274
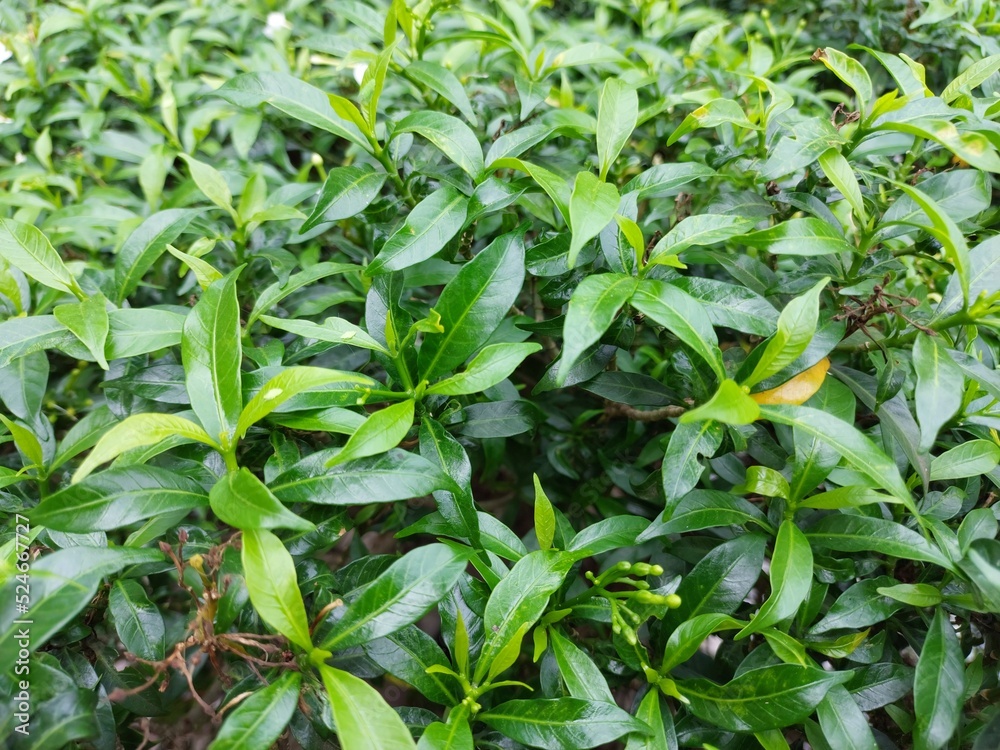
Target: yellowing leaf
798,390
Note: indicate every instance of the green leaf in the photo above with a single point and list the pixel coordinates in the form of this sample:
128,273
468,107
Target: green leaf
363,719
27,249
730,405
382,431
27,443
859,451
407,654
914,594
861,533
520,598
456,505
851,72
582,677
137,431
285,385
492,365
592,309
295,98
970,459
443,82
683,316
840,173
661,721
697,231
791,575
685,640
592,206
278,291
971,77
937,686
561,723
346,192
617,115
938,395
455,735
138,622
334,330
428,228
212,356
789,692
682,469
607,534
396,475
399,596
88,320
259,720
545,519
710,115
796,328
843,723
705,509
62,584
859,606
20,337
241,500
211,182
118,497
721,580
450,136
146,244
273,587
473,304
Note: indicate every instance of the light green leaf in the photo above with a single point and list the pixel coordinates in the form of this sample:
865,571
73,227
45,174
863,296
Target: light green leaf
592,206
273,586
382,431
241,500
27,249
592,309
617,115
428,228
449,135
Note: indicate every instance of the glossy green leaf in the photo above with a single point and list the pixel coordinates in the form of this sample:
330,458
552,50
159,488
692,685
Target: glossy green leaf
852,533
492,365
88,320
137,431
561,723
294,98
259,720
729,405
937,685
761,699
401,595
212,356
382,431
427,229
146,244
118,497
473,304
520,598
595,303
617,114
592,206
683,316
241,500
791,579
347,191
273,586
27,249
449,135
796,328
938,395
364,720
137,620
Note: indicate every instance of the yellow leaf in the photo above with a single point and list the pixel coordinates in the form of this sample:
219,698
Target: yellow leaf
798,390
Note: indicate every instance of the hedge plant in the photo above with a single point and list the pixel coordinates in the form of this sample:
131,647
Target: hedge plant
499,374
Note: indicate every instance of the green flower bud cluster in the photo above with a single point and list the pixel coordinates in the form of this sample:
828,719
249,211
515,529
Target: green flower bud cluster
629,590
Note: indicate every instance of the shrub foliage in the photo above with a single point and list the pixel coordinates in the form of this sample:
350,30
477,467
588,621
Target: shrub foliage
492,375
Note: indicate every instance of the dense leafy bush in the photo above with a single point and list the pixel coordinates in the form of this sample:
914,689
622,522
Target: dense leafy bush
557,375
